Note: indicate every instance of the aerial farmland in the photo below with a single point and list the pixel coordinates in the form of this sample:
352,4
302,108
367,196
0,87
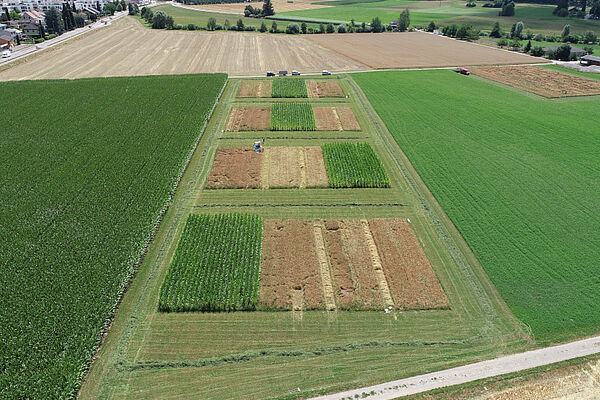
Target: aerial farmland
185,217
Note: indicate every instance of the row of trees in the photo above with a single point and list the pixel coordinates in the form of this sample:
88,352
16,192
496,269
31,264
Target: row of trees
67,19
517,32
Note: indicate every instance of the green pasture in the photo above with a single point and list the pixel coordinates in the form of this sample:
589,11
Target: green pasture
518,175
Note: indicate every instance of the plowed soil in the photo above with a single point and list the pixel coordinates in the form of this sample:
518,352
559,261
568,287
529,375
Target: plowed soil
235,168
249,119
324,88
255,89
335,119
289,276
410,277
354,282
416,50
542,81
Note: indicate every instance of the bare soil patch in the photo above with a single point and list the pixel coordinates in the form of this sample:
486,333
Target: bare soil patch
126,48
416,50
542,81
410,277
279,5
290,276
255,89
324,88
249,119
335,119
235,168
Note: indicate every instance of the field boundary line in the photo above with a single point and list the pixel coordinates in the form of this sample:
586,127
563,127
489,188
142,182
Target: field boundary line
473,372
324,267
376,264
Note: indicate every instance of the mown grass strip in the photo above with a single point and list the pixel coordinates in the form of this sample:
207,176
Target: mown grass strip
216,265
353,165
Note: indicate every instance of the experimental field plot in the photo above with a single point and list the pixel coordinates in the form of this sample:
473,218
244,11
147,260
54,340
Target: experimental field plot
216,265
541,81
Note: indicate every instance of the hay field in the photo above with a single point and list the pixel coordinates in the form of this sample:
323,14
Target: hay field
415,50
279,6
126,48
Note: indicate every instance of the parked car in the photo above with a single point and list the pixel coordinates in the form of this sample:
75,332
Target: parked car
325,72
462,71
6,54
283,73
295,73
269,73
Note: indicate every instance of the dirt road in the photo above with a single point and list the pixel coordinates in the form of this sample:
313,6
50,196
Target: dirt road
473,372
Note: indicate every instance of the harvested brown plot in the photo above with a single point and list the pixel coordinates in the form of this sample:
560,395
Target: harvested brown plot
346,265
355,285
276,167
249,119
316,174
279,5
285,165
235,168
411,279
126,48
416,50
289,275
335,119
255,89
324,88
542,81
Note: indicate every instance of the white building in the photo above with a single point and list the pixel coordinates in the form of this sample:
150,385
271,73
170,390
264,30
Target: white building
43,5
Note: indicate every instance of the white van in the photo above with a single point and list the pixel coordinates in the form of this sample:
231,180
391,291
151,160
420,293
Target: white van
6,54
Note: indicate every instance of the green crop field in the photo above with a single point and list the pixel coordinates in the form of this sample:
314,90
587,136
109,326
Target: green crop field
289,87
518,176
292,117
537,17
216,265
85,180
353,165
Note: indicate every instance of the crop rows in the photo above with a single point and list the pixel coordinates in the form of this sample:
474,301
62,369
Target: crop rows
216,265
290,88
84,184
292,117
353,165
527,205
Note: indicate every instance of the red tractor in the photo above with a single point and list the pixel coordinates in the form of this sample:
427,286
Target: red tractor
463,71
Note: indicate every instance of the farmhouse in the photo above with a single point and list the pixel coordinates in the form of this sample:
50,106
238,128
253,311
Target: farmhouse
31,29
590,60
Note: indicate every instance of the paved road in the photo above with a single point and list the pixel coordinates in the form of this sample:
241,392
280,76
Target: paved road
473,372
25,51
